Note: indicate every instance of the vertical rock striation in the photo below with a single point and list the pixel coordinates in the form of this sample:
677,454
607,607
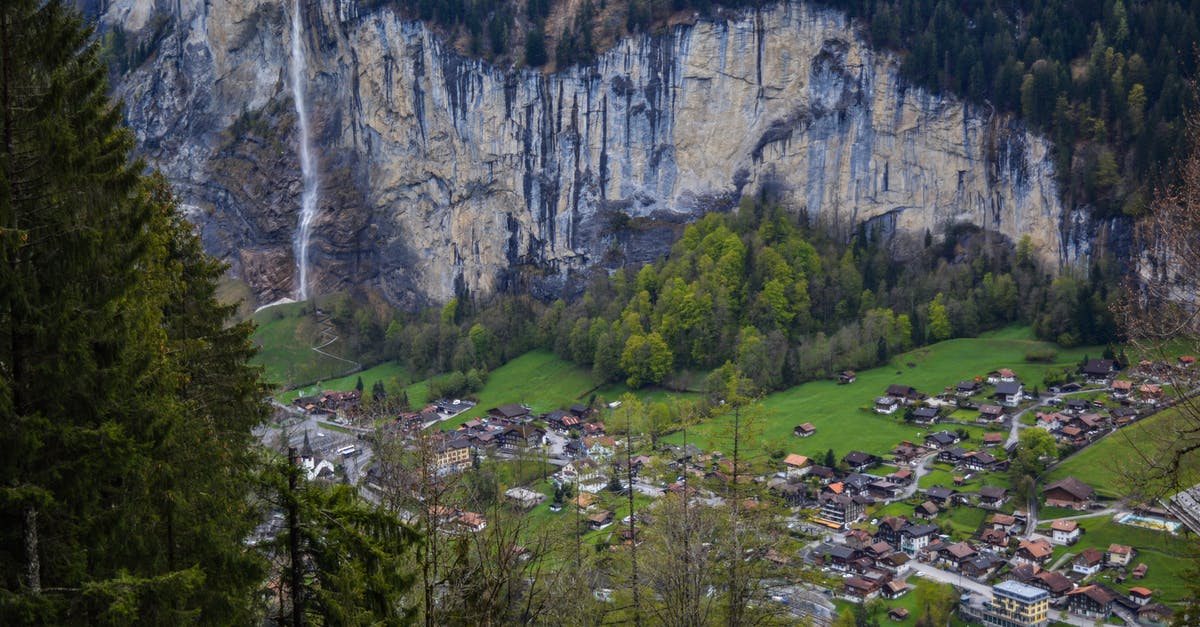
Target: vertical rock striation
441,173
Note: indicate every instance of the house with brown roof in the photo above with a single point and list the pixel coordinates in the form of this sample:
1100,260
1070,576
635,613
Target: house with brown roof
993,438
954,555
796,466
1092,601
1139,595
512,411
847,377
1089,562
1003,522
1033,552
1054,582
1064,532
471,522
599,520
1069,492
992,497
1119,554
1121,388
859,589
804,430
895,589
1002,375
994,537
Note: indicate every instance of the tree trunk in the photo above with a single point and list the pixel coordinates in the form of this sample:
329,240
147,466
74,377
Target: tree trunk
33,564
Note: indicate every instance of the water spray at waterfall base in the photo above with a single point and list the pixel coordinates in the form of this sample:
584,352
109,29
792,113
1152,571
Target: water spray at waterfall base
308,196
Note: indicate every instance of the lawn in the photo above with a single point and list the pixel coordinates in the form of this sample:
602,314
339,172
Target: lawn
842,413
1115,466
386,372
964,520
914,602
285,336
1169,557
538,379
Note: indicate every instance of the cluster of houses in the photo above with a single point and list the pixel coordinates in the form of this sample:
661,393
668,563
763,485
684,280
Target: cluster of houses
330,403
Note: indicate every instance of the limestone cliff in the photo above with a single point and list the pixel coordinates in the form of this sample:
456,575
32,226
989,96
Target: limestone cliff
440,173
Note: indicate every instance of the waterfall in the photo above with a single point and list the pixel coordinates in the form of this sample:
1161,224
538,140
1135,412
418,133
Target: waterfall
308,197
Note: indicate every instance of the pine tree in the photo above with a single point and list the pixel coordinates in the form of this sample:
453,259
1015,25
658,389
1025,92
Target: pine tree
127,400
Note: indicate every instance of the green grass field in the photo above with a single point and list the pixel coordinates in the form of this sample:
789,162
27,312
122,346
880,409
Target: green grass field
841,412
285,336
1169,557
914,602
1117,465
385,372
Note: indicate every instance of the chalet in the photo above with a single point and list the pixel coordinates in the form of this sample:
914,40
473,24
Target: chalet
602,447
889,529
1003,375
1089,562
511,412
878,550
993,438
991,413
1119,554
907,453
1077,406
940,495
925,415
883,489
582,471
894,590
824,474
524,436
562,421
793,494
859,461
1023,573
804,430
1155,614
967,389
1009,393
594,428
796,466
858,589
926,511
1033,552
1122,388
599,520
1187,361
994,537
915,538
1051,422
981,566
1003,522
1150,392
886,405
903,476
1091,601
898,614
954,555
471,522
992,497
1064,532
982,460
941,439
1098,371
1123,416
847,377
1140,596
1069,492
836,557
1054,582
524,497
1140,570
952,455
842,509
578,410
904,393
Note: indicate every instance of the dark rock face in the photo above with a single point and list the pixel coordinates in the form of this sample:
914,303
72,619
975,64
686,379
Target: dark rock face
441,174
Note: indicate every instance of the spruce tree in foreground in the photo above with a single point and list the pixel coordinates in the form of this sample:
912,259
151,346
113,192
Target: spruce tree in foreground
127,402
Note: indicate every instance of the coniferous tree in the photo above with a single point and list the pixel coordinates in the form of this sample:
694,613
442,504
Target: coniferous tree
127,400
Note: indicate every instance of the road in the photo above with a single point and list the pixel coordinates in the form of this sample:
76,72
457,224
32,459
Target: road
919,470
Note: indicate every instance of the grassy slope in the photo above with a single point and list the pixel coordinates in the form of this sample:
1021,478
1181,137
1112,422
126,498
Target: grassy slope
1169,557
385,372
841,412
285,337
1114,465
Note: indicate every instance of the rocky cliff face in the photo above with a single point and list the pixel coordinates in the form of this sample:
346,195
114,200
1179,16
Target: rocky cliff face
439,173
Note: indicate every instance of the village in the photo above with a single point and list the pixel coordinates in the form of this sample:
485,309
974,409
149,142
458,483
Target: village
942,508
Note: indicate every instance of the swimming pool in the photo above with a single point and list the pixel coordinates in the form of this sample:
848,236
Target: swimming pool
1157,524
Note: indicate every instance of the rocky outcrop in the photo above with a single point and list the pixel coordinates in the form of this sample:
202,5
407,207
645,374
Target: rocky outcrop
441,173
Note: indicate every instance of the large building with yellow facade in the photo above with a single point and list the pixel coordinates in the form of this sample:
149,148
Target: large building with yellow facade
1015,604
